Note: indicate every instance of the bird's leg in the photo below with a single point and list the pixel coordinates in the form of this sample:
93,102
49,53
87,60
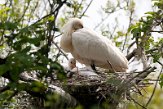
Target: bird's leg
94,68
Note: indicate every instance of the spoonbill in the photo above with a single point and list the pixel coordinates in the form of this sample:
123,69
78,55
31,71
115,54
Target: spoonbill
90,48
70,65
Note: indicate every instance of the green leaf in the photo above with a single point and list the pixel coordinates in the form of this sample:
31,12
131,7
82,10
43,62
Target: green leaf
118,44
3,69
51,18
156,57
120,33
150,13
42,68
21,86
35,41
10,26
26,49
16,1
6,94
68,4
136,32
161,80
38,87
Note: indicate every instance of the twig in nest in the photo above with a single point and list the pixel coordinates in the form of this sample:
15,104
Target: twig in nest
145,74
103,96
134,80
137,90
142,74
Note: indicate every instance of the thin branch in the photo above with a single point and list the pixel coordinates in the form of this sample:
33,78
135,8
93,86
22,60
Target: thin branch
55,12
60,49
103,19
137,103
132,54
77,10
114,29
154,89
33,10
142,74
86,9
58,35
156,31
25,10
126,36
80,4
152,79
160,63
129,47
152,50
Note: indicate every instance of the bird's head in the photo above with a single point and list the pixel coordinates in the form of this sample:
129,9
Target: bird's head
77,24
72,63
72,25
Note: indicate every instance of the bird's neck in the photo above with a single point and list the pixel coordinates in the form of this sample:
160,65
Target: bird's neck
66,41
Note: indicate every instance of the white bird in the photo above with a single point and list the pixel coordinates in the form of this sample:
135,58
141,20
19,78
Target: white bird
70,65
90,48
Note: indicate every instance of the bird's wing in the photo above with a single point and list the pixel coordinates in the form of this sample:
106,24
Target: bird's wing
89,45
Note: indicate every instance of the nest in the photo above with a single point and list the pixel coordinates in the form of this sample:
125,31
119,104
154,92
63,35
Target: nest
106,88
102,90
95,90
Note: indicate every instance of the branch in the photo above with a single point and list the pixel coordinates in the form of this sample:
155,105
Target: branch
152,50
60,50
143,74
132,54
154,89
137,103
55,12
126,36
156,31
86,9
129,47
160,63
127,84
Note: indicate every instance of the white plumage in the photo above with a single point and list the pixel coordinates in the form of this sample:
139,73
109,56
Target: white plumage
70,65
89,48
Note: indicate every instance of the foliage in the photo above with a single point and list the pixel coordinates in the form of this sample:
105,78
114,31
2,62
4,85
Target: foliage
26,46
143,33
